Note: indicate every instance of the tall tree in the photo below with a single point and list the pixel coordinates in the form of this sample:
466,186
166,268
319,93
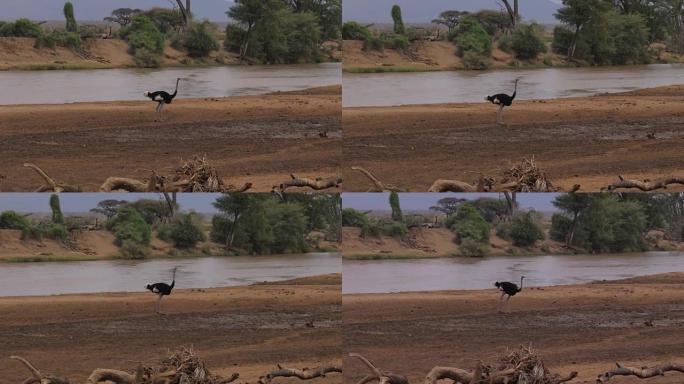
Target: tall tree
71,25
396,207
577,14
399,28
573,204
513,11
122,16
186,11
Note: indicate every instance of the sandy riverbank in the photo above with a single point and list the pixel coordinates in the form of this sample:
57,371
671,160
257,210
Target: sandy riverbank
257,139
583,140
245,329
584,328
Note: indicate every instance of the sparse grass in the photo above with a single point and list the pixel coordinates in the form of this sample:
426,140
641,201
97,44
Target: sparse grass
391,69
391,256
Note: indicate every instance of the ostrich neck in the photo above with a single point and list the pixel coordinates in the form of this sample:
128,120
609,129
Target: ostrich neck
515,90
521,284
176,91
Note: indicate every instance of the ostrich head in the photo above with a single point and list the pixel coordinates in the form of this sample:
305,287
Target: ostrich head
146,93
497,284
148,287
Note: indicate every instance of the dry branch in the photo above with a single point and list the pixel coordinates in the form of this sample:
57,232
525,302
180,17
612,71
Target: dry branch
642,373
442,185
303,374
379,186
456,374
36,376
377,374
645,185
317,184
50,184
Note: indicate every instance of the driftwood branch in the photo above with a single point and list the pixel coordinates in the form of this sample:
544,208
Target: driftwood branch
50,184
642,373
303,374
442,185
456,374
645,185
36,376
317,184
379,186
377,374
115,376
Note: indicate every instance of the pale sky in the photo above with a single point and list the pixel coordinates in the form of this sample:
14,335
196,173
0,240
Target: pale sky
423,201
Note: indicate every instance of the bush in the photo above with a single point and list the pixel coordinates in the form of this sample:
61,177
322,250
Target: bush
32,232
503,230
186,232
472,60
471,37
473,248
353,218
21,28
374,43
219,229
467,223
56,231
560,227
129,226
352,30
396,229
527,42
199,39
562,40
45,41
525,229
371,230
399,42
505,43
234,35
71,40
13,220
144,40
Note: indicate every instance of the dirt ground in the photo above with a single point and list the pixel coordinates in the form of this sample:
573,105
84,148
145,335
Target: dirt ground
242,329
585,140
584,328
257,139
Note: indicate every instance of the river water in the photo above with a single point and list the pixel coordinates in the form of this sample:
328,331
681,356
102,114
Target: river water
390,89
383,276
31,279
57,87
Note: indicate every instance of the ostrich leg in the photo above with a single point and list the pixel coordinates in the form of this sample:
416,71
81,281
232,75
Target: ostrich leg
158,306
499,115
501,302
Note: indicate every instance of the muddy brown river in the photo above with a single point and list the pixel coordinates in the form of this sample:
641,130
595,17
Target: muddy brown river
58,87
384,276
51,278
390,89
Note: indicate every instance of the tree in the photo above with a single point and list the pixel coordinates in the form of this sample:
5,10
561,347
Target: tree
573,204
513,11
577,14
396,207
186,232
186,11
450,19
199,39
57,216
399,28
233,207
71,25
247,13
123,16
467,223
108,208
525,229
448,205
527,41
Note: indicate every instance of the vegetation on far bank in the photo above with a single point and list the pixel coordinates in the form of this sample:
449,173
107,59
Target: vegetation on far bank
584,223
268,32
247,224
590,32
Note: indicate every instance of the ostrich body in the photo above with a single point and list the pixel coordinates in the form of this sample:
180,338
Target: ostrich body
503,100
162,97
161,290
508,290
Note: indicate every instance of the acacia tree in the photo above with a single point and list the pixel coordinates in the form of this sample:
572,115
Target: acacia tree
123,16
450,19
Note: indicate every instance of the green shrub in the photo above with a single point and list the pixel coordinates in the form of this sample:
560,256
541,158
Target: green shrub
56,231
234,36
146,59
560,227
185,232
13,220
45,41
472,60
525,229
199,39
32,232
352,30
71,40
527,42
562,40
470,36
129,226
400,43
467,223
396,229
505,43
220,226
503,230
145,41
21,28
473,248
353,218
371,230
374,43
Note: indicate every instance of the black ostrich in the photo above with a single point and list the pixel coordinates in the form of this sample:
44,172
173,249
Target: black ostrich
161,290
503,100
508,289
162,97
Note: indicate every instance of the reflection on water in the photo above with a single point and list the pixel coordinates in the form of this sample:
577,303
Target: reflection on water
57,87
37,279
386,89
467,273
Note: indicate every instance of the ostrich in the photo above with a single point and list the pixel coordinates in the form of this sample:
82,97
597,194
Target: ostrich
162,97
503,100
508,289
161,290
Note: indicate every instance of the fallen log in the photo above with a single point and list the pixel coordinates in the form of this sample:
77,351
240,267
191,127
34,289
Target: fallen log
442,185
36,376
641,373
303,374
645,185
50,184
456,374
317,184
